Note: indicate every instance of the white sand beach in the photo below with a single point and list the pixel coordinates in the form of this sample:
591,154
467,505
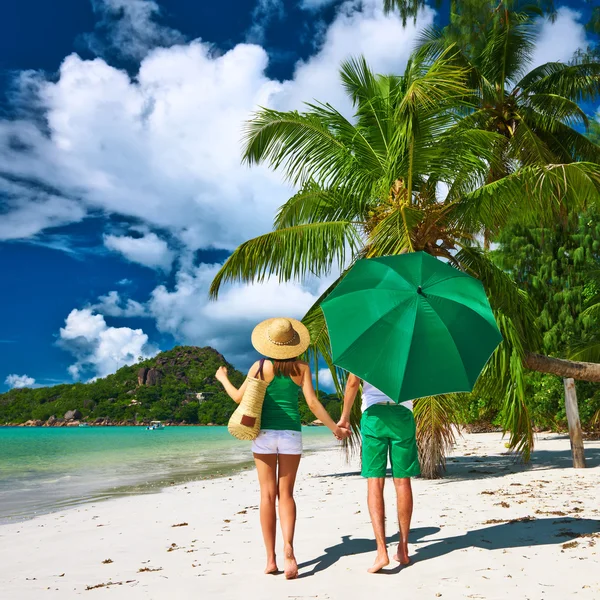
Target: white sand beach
491,529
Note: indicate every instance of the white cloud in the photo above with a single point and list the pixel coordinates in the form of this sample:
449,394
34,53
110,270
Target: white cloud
112,305
560,40
19,381
164,147
32,210
187,314
129,28
149,250
326,379
98,348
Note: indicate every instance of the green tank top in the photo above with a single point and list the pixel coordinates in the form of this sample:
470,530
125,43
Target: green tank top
280,408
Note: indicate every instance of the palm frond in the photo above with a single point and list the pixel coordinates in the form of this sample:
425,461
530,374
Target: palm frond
550,108
508,44
291,253
392,234
435,85
537,192
587,350
314,204
503,378
576,82
539,73
434,417
528,148
320,348
359,81
303,145
504,295
568,144
407,9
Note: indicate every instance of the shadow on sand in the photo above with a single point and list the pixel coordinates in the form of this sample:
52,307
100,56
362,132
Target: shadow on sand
514,534
498,465
469,467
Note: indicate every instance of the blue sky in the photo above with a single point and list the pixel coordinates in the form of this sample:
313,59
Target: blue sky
121,188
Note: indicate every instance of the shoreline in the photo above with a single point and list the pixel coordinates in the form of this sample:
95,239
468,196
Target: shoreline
493,528
74,467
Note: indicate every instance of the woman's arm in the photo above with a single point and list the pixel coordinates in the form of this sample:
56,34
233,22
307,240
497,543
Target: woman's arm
234,393
317,408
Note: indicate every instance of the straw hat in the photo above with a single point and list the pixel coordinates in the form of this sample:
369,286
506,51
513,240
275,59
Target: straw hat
281,338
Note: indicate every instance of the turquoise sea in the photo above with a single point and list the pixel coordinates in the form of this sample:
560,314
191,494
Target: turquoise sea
48,469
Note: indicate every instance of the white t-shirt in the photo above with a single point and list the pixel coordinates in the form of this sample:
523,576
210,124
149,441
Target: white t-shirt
371,395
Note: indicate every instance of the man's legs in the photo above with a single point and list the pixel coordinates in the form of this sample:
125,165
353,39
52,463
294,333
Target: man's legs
405,507
375,448
405,464
377,511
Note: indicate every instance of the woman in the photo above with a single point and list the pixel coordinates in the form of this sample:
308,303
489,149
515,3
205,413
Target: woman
278,447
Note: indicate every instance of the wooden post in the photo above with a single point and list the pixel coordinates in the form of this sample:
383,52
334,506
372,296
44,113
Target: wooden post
574,424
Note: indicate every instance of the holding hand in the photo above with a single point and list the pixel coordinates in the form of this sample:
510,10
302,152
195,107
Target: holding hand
344,423
342,433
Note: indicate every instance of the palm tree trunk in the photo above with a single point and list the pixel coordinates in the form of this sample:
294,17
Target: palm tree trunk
582,371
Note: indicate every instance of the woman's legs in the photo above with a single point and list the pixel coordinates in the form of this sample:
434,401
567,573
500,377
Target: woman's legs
288,467
266,466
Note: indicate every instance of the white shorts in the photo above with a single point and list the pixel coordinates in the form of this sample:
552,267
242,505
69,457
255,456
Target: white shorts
270,441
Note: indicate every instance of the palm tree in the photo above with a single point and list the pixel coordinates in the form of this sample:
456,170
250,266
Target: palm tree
536,111
372,187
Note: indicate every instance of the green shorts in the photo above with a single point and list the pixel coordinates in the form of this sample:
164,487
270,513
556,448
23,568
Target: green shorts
389,429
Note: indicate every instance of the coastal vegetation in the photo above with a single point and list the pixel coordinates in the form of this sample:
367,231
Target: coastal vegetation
177,386
467,149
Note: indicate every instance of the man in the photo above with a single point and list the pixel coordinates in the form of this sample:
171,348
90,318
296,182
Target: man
387,428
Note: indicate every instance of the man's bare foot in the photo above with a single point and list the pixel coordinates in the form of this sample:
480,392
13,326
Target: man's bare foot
401,555
382,560
291,566
271,568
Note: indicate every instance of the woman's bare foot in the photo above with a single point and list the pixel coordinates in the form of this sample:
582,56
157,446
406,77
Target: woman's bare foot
401,555
271,568
382,560
291,566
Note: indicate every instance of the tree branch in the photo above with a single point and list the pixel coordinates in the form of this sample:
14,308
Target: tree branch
582,371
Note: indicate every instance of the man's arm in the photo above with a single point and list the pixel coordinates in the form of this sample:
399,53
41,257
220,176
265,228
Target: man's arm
352,386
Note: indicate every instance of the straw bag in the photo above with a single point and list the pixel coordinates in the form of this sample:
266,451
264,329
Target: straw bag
244,423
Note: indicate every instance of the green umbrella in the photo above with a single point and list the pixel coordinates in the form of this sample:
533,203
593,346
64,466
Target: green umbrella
411,325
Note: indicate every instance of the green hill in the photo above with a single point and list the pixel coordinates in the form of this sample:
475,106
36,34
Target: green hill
176,386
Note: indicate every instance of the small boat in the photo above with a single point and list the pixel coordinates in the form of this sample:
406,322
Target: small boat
84,425
155,426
